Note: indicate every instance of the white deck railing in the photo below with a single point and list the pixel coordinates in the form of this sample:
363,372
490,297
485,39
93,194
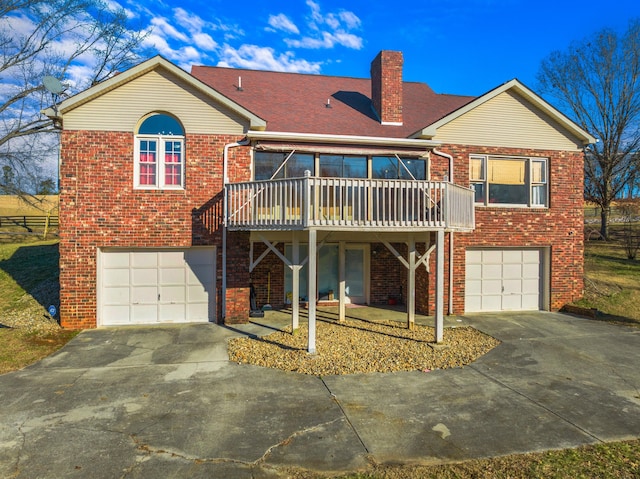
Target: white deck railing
348,203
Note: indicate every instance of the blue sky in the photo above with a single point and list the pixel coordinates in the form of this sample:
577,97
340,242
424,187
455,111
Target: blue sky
456,46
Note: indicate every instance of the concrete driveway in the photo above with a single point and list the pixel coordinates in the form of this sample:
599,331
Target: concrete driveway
166,402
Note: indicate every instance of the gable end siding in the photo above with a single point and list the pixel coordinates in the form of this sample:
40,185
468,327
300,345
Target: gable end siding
122,108
511,122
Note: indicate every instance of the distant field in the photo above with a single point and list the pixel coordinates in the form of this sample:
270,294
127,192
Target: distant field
11,205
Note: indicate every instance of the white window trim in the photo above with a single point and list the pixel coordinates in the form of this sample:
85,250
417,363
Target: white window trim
530,160
160,177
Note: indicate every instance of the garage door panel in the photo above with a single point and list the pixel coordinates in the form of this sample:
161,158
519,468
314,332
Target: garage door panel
115,277
144,259
531,270
511,302
174,294
172,313
144,294
143,276
116,260
512,271
473,271
491,256
492,271
491,302
474,287
503,279
512,286
116,295
169,259
200,274
145,286
118,314
198,312
172,275
197,294
144,313
530,285
492,286
530,302
511,256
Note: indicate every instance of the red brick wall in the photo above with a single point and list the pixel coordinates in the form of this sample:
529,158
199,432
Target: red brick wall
99,208
558,227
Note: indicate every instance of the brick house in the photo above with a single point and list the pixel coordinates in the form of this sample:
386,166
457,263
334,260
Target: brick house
180,193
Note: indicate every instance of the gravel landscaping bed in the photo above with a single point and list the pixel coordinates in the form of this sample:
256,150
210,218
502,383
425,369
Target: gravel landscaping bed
30,315
360,346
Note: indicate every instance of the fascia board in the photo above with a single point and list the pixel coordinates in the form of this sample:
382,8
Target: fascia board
342,139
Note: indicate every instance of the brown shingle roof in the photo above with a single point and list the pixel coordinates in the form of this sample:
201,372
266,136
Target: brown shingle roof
294,102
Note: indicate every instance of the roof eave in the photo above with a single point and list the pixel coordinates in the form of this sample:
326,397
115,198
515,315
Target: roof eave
342,139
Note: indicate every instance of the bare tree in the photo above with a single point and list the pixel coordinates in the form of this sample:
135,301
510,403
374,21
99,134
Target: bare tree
79,42
597,82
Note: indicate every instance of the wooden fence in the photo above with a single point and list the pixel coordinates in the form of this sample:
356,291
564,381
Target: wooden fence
30,223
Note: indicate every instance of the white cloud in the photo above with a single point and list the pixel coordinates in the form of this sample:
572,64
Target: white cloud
162,26
265,58
204,41
315,11
327,30
282,22
328,40
350,19
115,6
188,20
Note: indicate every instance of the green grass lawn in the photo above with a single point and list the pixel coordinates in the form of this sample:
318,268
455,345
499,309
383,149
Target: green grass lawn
612,287
612,282
23,267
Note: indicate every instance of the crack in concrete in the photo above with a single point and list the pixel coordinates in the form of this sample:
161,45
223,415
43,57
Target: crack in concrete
148,450
346,417
23,436
292,436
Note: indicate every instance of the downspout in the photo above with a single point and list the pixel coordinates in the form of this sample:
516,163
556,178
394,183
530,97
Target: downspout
447,155
225,181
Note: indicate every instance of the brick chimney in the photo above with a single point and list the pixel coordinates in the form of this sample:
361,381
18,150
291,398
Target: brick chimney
386,87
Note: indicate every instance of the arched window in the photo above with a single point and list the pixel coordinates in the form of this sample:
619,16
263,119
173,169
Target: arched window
159,153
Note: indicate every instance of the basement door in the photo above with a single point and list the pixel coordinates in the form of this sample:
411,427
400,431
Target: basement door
356,273
156,286
503,280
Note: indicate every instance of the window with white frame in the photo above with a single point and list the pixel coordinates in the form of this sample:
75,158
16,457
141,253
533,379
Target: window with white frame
509,181
159,153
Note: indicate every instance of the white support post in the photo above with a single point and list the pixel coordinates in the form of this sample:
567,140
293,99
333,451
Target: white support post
439,316
411,284
341,280
312,287
295,294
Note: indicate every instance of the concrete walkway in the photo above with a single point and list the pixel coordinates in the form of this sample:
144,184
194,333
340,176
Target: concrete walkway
165,402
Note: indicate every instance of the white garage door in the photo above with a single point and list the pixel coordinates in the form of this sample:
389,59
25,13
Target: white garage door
150,286
503,280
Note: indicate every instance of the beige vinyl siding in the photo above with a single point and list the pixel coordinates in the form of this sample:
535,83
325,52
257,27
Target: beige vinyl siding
507,120
122,108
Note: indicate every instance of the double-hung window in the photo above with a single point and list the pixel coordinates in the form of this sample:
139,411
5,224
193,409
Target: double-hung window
159,154
509,181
